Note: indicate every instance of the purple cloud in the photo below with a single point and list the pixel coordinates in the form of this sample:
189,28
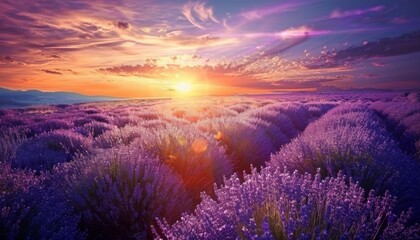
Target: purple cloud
198,14
384,47
356,12
122,25
263,12
51,72
378,64
292,37
293,84
399,20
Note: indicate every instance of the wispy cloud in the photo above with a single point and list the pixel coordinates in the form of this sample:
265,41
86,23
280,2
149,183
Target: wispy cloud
378,64
355,12
260,13
180,38
292,37
52,72
198,14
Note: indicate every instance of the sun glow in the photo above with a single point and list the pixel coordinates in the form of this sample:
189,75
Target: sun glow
183,87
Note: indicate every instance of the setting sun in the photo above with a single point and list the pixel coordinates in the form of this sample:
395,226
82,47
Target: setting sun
183,87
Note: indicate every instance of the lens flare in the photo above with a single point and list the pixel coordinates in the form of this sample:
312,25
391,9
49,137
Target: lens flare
199,145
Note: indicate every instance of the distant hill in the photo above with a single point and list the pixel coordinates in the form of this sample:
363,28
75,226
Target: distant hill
18,98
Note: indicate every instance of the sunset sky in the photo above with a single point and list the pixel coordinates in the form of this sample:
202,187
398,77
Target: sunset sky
145,48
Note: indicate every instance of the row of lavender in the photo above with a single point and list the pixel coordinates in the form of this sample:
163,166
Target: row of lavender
126,164
402,120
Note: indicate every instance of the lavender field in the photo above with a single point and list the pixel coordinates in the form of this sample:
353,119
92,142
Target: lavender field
285,166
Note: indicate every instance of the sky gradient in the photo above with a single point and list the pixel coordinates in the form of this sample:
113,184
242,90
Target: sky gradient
145,48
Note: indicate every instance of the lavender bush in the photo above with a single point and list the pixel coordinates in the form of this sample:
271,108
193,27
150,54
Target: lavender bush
11,121
29,209
47,126
194,156
298,113
121,136
44,151
96,129
120,193
10,140
276,118
245,143
403,120
281,205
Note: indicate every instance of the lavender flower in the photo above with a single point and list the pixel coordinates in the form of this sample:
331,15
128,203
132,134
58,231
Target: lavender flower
194,156
245,143
47,126
46,150
96,129
402,119
281,205
10,140
120,193
353,139
29,209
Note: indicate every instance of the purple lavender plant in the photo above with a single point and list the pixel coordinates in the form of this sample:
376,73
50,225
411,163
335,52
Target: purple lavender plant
12,120
245,143
353,139
44,151
30,209
10,139
402,120
281,205
277,118
121,136
196,157
96,129
120,193
47,126
298,113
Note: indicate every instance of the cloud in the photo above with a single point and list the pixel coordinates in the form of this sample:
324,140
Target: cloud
152,70
369,75
355,12
198,14
179,38
51,72
260,13
7,59
302,84
378,64
300,32
384,47
399,20
258,73
292,37
68,70
222,74
285,45
122,25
